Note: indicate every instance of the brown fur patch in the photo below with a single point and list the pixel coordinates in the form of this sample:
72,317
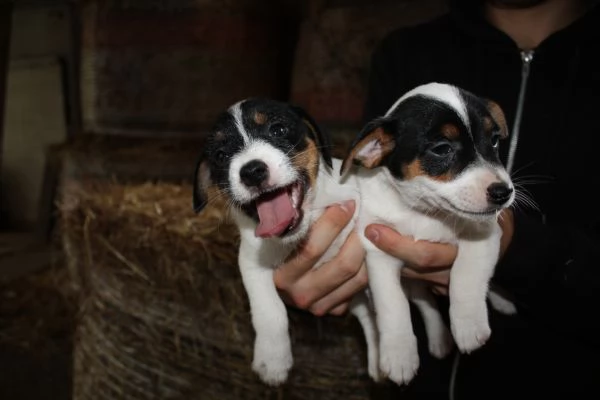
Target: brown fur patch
386,145
450,131
260,118
498,115
207,192
488,124
308,160
219,135
414,169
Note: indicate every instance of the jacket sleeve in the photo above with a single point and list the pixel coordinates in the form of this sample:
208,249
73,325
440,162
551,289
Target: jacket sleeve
553,272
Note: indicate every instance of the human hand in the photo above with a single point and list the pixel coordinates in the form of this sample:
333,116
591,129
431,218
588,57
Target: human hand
329,288
429,261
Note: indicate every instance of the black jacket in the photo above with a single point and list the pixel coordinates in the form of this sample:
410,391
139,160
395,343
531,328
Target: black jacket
552,266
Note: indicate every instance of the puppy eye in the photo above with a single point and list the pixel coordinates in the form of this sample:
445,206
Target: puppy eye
278,130
220,156
495,140
441,149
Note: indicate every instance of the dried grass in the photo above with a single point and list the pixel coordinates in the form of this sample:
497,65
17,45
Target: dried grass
163,314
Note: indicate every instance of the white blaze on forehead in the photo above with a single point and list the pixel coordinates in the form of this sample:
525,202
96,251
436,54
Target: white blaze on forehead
236,111
444,93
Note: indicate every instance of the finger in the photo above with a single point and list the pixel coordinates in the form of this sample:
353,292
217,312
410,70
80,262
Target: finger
419,253
319,283
343,267
321,235
436,277
506,222
342,294
340,310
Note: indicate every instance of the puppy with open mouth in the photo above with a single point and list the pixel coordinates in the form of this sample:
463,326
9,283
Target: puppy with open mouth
429,168
272,165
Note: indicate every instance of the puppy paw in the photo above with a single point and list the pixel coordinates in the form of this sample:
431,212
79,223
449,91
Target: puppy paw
442,344
373,368
470,331
501,304
400,361
272,362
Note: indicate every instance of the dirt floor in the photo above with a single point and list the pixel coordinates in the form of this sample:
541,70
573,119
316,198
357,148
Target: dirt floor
36,320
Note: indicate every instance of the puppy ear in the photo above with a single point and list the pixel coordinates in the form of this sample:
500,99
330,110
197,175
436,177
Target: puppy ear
322,139
201,183
374,142
498,116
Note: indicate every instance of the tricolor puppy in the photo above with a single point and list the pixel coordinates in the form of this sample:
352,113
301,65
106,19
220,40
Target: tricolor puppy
430,169
273,165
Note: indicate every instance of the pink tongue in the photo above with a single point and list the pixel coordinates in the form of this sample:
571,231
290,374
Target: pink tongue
275,213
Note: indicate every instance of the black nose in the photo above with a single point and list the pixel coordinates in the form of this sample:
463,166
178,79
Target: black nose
254,173
498,193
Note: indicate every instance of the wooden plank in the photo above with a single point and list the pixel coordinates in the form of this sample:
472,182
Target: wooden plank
5,26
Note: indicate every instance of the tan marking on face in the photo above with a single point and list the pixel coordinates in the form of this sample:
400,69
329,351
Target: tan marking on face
219,135
415,169
488,124
498,116
260,118
385,144
308,160
450,131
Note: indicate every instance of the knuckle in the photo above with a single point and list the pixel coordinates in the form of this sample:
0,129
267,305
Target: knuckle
318,311
348,269
340,310
362,278
301,300
423,258
310,251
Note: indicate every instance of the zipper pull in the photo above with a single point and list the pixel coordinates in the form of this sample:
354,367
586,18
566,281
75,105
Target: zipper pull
526,59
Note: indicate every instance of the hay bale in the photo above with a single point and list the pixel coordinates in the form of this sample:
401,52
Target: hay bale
163,314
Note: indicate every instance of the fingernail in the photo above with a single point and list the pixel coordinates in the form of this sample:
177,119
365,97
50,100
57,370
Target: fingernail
372,234
347,205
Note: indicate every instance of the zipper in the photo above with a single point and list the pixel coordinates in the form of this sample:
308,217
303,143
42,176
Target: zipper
526,59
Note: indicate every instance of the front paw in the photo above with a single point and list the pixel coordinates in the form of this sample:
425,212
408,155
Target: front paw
399,360
373,366
470,329
441,344
501,304
272,361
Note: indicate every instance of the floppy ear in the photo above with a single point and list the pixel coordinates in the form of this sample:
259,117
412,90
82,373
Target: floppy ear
374,142
323,140
201,183
498,116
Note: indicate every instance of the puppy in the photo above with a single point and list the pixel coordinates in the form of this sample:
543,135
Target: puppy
430,169
272,164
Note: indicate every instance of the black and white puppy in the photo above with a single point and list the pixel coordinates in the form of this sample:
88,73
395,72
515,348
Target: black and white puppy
272,165
430,169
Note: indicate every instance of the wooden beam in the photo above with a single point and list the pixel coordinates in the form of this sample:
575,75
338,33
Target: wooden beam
5,26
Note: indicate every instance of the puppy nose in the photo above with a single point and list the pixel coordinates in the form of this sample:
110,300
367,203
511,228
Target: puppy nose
254,173
498,193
